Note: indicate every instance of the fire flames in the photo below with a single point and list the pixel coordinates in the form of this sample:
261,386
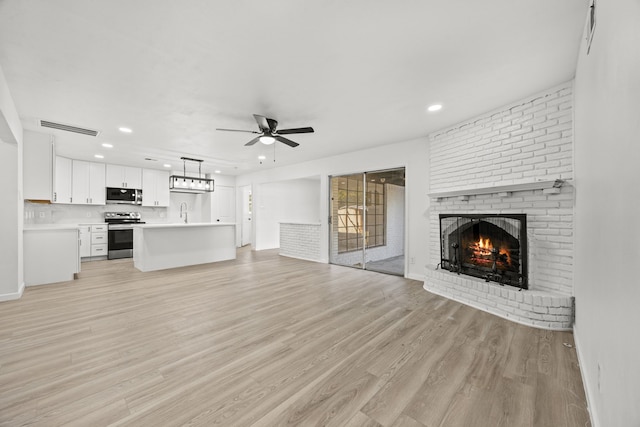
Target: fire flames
481,252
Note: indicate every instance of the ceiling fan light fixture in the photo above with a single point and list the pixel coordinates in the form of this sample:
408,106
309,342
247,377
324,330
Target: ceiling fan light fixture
267,139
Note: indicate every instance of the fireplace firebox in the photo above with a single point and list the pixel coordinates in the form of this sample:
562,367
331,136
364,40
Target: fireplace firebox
489,246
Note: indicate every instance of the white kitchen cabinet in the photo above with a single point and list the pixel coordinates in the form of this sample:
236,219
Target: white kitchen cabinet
37,163
88,180
123,177
94,239
62,180
155,188
85,240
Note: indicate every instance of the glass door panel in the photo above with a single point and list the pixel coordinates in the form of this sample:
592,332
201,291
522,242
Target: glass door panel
367,221
347,221
385,221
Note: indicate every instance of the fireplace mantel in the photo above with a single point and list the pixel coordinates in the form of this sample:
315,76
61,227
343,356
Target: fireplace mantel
548,186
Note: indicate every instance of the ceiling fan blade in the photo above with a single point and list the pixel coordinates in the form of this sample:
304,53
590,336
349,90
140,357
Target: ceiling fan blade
295,130
253,141
237,130
284,140
263,124
273,124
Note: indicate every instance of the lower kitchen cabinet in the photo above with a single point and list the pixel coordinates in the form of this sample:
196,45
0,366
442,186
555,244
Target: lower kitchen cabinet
51,254
94,240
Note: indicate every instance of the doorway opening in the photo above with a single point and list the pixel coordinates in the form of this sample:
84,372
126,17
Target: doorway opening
246,229
367,221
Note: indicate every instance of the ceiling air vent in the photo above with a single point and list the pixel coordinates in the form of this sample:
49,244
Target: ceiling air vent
68,128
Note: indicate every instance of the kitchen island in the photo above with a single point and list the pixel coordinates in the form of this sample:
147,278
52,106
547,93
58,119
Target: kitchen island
161,246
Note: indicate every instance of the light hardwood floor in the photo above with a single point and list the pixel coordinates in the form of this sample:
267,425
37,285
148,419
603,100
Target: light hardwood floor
268,341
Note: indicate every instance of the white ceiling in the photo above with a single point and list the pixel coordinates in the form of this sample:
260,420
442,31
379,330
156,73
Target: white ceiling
360,72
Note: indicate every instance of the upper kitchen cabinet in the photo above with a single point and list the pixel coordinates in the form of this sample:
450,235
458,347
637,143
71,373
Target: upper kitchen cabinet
62,180
124,177
155,188
88,183
37,164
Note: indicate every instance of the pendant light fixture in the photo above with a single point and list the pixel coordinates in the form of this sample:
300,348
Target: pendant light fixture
190,184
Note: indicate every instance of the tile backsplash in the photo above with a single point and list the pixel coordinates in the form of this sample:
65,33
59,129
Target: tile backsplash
38,213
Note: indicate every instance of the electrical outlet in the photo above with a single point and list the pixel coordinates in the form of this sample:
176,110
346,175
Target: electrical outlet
412,260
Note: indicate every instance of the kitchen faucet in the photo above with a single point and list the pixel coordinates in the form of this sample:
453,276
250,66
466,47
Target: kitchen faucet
183,209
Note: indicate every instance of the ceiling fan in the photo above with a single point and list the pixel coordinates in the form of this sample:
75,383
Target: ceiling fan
269,133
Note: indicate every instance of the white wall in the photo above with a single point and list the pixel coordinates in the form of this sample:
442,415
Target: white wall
607,171
296,200
410,154
11,214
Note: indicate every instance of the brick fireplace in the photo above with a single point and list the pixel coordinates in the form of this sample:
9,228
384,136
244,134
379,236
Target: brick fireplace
515,162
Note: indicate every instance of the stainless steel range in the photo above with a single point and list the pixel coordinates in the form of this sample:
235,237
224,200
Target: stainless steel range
120,226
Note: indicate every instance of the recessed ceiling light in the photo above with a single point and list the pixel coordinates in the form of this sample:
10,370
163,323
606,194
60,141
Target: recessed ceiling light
435,107
98,156
125,130
107,145
167,165
217,172
262,157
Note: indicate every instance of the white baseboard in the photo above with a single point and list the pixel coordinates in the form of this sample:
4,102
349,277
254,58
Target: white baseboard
300,258
414,276
588,390
13,295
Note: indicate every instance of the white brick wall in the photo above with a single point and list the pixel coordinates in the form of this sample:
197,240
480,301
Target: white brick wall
526,141
300,241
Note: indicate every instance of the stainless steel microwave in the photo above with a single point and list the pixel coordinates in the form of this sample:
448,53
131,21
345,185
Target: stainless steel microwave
127,196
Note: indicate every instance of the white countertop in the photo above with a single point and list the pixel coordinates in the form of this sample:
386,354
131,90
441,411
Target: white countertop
299,223
44,227
183,225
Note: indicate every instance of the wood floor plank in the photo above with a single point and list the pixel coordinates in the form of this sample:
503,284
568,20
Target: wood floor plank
265,340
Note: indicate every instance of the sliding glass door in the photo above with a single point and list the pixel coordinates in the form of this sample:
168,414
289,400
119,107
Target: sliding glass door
367,221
